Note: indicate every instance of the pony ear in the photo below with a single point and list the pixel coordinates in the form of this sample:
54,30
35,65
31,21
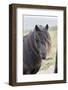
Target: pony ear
46,27
37,28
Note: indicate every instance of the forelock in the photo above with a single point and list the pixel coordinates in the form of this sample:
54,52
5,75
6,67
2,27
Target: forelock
41,27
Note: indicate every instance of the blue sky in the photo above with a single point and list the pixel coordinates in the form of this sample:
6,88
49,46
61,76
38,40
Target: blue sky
31,21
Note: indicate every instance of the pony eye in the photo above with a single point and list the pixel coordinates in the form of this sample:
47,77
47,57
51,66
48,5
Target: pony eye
37,40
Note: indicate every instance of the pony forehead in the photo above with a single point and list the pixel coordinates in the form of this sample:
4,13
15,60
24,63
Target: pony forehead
41,27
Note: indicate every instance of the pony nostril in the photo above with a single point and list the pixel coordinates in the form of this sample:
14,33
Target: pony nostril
43,56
